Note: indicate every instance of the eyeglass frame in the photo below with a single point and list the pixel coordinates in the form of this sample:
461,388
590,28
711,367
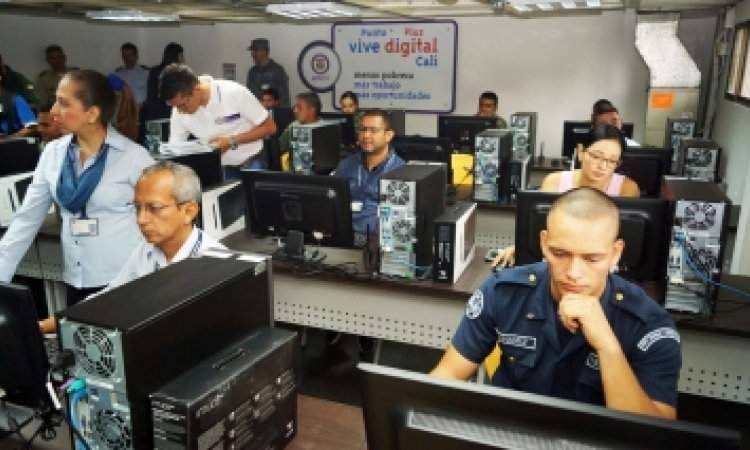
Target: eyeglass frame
151,209
598,159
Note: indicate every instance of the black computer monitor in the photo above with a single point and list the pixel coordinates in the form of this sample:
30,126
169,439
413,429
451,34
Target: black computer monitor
206,165
647,167
431,149
406,410
18,155
645,225
23,358
398,121
282,117
575,133
279,202
462,130
348,133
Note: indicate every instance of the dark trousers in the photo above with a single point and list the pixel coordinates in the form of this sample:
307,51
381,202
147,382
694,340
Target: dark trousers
75,295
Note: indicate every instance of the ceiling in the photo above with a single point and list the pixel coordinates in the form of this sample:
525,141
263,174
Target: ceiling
254,10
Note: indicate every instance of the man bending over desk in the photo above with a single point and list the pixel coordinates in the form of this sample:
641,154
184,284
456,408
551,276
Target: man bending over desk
167,199
569,328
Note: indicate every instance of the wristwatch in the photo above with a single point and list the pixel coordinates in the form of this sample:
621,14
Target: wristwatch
232,143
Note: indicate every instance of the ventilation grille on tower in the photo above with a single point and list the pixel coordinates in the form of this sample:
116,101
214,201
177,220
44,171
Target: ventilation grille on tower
95,352
397,192
700,216
111,429
700,157
403,232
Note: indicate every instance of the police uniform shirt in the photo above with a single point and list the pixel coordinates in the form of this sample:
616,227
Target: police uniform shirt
137,80
46,84
24,114
271,75
363,187
147,258
230,111
514,308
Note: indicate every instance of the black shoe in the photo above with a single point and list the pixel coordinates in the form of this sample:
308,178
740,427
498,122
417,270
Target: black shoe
333,337
366,344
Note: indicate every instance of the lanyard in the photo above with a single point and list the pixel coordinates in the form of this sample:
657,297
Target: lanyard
193,251
360,173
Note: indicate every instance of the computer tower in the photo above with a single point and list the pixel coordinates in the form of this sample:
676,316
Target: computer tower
699,158
12,192
455,233
697,243
677,130
205,164
244,396
524,135
410,198
519,178
223,209
157,131
492,153
316,148
398,121
132,340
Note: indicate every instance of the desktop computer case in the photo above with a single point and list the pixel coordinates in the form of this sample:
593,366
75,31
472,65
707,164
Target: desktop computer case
677,130
244,396
701,217
451,257
316,147
524,135
411,197
492,153
224,203
699,158
132,340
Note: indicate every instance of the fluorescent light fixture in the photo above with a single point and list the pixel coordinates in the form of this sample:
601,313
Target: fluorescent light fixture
131,16
544,6
568,5
313,10
594,3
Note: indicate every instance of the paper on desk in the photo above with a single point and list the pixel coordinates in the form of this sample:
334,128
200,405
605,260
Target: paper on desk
251,258
216,254
184,148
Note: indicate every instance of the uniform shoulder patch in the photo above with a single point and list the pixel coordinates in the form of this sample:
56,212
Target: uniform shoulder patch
475,305
656,335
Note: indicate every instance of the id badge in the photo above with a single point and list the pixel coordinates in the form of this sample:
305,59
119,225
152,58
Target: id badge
357,206
84,227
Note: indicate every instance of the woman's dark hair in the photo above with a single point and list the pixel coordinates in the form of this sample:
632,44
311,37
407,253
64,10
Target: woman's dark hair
172,54
351,95
93,89
604,131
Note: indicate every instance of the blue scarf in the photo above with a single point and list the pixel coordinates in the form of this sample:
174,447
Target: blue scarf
73,193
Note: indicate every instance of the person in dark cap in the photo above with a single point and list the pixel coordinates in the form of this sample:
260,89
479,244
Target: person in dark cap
267,73
604,111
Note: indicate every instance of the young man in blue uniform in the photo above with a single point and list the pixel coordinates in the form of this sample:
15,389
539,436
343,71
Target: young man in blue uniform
567,327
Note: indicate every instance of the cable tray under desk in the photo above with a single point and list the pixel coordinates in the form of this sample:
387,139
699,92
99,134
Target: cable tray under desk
421,317
715,366
494,240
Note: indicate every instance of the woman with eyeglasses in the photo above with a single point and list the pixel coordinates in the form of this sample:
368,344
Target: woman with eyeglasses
90,173
598,161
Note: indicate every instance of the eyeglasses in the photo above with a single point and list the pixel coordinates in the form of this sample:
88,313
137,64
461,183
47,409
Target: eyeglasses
371,130
598,158
153,209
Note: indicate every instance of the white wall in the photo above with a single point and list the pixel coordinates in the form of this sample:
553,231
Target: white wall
555,66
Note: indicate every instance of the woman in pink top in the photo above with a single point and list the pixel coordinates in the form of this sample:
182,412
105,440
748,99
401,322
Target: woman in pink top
598,163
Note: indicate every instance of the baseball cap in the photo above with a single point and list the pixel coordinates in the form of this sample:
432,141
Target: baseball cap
259,44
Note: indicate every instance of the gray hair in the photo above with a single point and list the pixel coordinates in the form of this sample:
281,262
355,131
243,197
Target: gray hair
187,185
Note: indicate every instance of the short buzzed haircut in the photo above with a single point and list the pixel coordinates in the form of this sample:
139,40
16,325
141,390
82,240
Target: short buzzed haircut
53,48
586,203
489,95
129,46
272,92
187,185
384,115
313,101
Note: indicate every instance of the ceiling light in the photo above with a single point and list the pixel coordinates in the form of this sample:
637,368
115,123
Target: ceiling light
544,6
594,3
568,5
131,16
313,10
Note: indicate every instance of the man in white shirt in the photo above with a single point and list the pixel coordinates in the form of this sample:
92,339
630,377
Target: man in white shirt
167,199
224,114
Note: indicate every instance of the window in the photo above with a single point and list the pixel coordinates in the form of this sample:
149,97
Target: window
738,81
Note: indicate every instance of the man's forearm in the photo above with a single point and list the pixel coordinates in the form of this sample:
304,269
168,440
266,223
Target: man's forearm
267,128
622,390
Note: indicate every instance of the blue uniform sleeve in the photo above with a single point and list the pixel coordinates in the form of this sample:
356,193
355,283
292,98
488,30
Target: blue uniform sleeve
25,114
656,361
476,335
27,221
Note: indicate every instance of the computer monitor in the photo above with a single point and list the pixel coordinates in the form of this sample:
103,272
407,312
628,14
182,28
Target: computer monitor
398,121
575,133
282,117
431,149
461,130
348,133
407,410
279,202
23,358
18,155
644,227
206,165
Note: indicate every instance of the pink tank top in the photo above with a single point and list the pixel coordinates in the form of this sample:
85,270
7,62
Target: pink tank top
613,190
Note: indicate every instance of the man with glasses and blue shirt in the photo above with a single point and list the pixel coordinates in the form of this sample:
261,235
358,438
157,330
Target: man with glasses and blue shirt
166,201
224,114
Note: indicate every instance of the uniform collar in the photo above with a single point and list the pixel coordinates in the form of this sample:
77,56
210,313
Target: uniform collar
156,254
215,98
115,140
384,163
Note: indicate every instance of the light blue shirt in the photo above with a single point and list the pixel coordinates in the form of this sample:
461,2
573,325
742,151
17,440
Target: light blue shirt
136,78
90,261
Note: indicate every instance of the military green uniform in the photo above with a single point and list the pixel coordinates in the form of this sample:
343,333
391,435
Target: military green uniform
46,84
501,123
285,140
20,85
